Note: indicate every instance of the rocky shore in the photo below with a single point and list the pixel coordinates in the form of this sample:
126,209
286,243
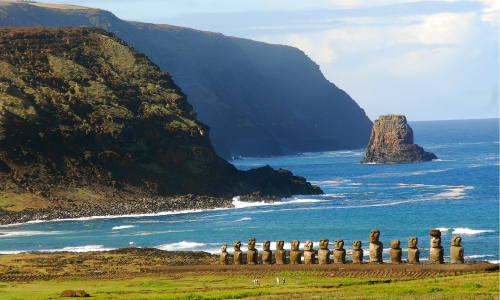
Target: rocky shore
69,209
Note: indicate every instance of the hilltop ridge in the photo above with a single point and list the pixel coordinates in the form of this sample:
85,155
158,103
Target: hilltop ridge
259,99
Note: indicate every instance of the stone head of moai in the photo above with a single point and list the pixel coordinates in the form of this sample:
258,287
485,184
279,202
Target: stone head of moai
436,242
251,244
323,244
237,245
412,242
295,245
356,245
339,244
266,245
456,240
280,244
395,244
223,247
374,236
308,245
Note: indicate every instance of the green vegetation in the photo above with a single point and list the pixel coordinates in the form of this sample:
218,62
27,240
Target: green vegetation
192,286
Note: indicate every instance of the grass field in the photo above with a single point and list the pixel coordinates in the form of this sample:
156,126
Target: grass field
299,285
146,273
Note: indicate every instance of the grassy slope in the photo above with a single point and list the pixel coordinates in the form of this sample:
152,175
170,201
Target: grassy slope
310,286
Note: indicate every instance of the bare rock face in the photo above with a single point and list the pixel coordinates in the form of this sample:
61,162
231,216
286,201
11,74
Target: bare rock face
391,142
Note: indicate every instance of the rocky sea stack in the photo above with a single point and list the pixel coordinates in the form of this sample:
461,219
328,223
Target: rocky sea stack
87,121
391,142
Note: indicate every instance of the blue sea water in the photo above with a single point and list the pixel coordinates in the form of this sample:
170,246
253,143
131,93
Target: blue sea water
458,193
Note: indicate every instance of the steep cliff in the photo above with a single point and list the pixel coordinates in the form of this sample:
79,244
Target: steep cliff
391,142
258,99
82,111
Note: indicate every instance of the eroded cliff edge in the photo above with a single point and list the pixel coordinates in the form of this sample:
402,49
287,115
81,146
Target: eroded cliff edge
87,122
391,142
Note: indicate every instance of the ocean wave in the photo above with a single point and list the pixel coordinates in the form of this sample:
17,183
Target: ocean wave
180,246
479,256
87,248
123,227
243,204
28,233
443,229
467,231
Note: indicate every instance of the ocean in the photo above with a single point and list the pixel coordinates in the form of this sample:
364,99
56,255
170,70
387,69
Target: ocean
458,194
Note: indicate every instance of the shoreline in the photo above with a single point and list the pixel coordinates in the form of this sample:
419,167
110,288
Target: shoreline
114,208
122,208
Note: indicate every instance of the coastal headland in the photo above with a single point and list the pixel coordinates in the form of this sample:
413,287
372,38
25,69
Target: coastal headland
129,273
90,126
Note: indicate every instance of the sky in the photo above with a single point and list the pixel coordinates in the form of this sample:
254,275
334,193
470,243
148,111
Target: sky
428,60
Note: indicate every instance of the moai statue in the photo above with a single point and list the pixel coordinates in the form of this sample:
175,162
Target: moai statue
456,251
375,247
437,252
237,253
413,251
267,254
323,252
295,254
280,253
309,255
339,252
224,255
252,253
357,252
396,252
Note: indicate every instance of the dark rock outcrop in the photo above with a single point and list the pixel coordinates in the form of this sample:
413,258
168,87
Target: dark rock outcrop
391,142
85,118
258,99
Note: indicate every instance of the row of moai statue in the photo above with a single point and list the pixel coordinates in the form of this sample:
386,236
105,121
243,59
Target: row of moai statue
339,254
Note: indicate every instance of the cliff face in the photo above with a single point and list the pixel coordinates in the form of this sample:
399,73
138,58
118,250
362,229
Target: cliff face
391,142
258,99
80,109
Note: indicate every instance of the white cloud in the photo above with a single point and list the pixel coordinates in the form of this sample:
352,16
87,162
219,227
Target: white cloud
444,28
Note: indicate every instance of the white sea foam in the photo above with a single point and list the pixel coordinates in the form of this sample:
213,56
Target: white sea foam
87,248
243,204
479,256
494,261
181,246
443,229
123,227
28,233
467,231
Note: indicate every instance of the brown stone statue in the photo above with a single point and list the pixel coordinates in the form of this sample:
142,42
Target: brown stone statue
224,255
413,251
436,254
252,253
267,254
339,252
396,252
323,252
357,252
237,253
280,253
375,247
295,254
309,254
456,251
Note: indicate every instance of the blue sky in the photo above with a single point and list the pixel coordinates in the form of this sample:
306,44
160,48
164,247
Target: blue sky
429,60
